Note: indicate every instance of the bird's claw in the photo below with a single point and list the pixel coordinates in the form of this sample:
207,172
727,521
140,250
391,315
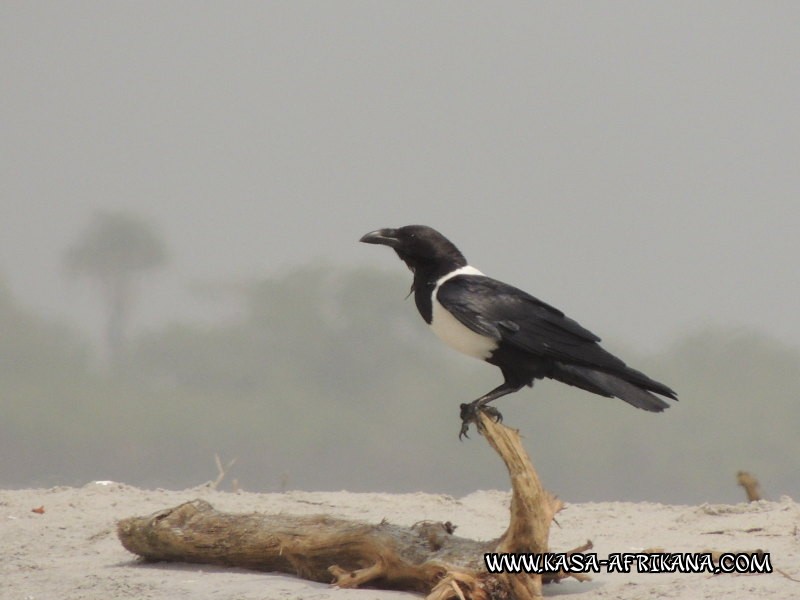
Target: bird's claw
492,412
469,414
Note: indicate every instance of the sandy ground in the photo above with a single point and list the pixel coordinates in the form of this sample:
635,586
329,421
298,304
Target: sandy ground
71,551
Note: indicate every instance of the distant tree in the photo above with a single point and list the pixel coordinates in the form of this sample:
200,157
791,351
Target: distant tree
113,251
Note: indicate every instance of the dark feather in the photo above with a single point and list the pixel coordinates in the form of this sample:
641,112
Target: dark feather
521,321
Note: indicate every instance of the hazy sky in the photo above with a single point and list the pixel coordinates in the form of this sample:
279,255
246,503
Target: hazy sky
635,164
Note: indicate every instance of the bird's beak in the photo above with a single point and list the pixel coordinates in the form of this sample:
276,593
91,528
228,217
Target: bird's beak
386,237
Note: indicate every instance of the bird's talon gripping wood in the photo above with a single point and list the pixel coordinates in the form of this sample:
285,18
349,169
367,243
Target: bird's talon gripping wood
495,414
469,414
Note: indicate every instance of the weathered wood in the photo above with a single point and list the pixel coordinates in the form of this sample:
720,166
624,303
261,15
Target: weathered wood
425,558
751,486
312,547
532,507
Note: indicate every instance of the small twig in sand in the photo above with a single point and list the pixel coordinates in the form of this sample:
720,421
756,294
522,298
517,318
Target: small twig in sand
785,574
221,470
750,485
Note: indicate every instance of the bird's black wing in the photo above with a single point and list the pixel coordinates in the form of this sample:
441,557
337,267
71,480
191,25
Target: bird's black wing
514,317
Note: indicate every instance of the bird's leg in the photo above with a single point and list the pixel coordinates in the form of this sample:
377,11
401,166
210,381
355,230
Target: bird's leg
470,411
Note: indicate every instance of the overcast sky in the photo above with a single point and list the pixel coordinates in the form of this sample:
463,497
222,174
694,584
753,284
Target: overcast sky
635,164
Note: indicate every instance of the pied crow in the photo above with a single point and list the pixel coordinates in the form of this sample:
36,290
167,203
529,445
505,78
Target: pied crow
524,337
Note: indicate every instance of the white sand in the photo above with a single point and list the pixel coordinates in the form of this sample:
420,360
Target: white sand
71,551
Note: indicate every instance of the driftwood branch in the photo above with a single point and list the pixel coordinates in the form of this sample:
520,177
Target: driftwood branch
425,557
318,548
532,507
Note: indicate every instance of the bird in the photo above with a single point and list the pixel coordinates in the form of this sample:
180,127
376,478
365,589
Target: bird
526,338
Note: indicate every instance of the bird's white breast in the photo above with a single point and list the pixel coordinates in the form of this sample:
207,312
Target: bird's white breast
450,330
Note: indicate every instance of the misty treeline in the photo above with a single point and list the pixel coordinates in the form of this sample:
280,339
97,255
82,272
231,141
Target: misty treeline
326,379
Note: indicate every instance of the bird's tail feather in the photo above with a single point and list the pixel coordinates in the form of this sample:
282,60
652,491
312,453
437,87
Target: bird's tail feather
614,386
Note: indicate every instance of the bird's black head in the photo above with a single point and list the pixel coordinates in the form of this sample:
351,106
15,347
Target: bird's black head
422,248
